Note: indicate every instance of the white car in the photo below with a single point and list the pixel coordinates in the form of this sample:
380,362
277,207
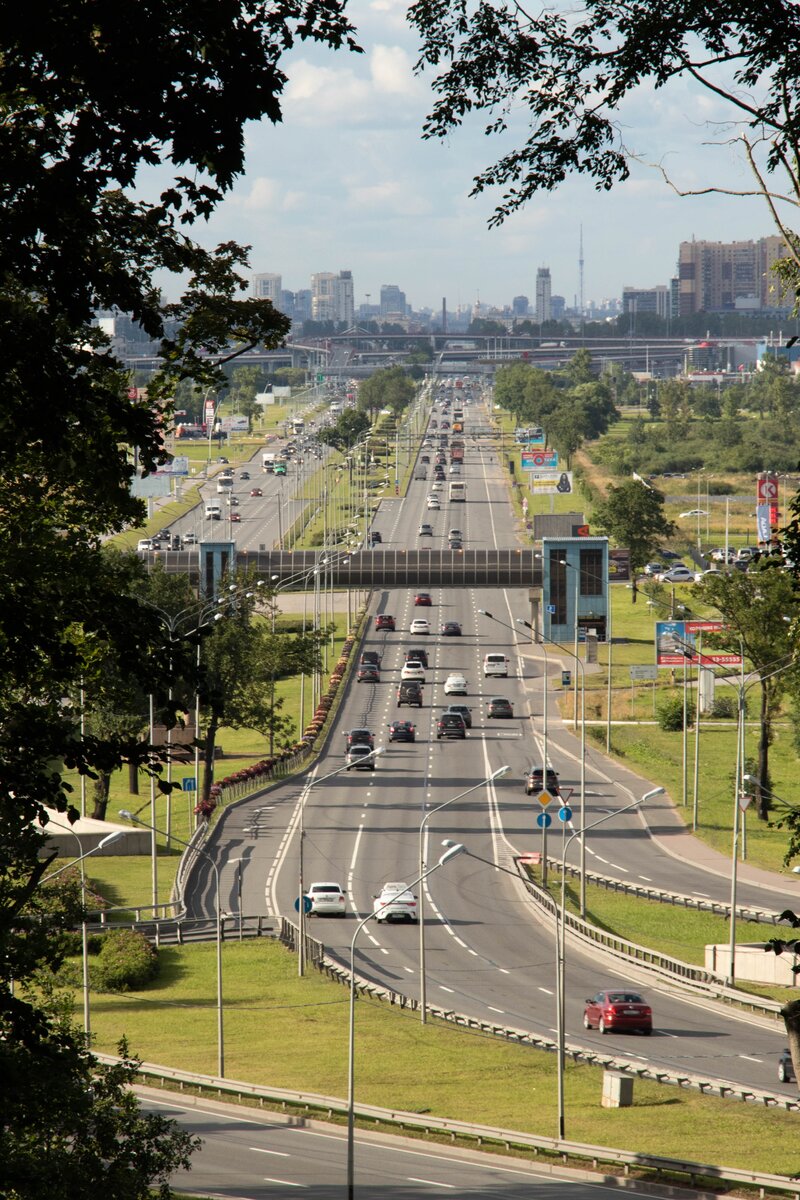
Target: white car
433,502
455,685
454,469
676,575
437,486
419,625
395,902
327,899
413,670
695,512
699,576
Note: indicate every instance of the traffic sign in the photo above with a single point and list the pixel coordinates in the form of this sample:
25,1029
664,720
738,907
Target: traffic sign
306,904
188,785
544,820
544,797
565,814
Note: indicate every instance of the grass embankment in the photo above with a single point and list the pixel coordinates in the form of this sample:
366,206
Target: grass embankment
292,1033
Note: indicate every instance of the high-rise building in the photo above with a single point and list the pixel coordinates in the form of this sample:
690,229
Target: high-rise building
392,300
730,276
332,297
519,306
647,300
543,307
267,286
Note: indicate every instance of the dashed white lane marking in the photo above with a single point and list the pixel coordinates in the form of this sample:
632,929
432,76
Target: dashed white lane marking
497,1010
442,988
430,1182
749,1058
276,1153
546,991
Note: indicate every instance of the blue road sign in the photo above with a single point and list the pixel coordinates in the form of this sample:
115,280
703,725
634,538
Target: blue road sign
188,785
306,904
544,820
565,814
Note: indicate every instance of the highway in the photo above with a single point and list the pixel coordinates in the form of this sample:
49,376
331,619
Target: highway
487,954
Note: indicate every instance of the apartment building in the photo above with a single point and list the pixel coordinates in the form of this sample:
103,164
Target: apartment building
730,276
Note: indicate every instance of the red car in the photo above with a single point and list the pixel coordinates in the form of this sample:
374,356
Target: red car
235,516
423,600
616,1010
384,621
256,492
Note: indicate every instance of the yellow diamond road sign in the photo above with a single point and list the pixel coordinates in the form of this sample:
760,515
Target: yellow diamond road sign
545,797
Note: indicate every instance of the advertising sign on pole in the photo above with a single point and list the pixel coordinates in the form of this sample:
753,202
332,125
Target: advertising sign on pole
764,523
619,564
767,489
549,483
676,645
538,460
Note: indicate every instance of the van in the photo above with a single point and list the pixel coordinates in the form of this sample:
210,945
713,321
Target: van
213,510
495,664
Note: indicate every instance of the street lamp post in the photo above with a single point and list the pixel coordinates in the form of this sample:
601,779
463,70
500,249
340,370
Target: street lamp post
498,774
108,840
301,911
129,816
450,853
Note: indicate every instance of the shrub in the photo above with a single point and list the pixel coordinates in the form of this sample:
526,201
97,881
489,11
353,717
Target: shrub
126,961
725,706
670,714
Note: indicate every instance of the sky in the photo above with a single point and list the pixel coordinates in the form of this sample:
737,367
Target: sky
346,182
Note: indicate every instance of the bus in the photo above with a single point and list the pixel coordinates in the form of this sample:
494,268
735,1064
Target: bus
225,484
298,425
458,491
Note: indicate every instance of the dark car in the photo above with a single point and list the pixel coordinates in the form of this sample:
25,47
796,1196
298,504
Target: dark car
463,710
368,673
499,706
384,621
402,731
423,600
375,538
455,544
440,459
409,692
534,778
175,542
438,473
360,737
371,658
785,1067
451,725
417,656
670,554
618,1010
244,474
450,629
256,492
425,458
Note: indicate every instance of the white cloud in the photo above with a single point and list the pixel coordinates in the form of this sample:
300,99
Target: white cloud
390,69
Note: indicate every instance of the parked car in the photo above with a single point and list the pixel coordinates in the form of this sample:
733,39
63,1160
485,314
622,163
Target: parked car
463,710
360,737
409,692
395,902
361,758
368,673
422,600
676,575
670,555
385,622
695,512
456,685
450,629
419,626
786,1067
413,670
616,1010
327,899
402,731
534,781
699,576
499,706
417,653
654,568
451,725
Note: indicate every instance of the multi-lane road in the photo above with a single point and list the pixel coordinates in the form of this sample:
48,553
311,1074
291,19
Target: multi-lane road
487,954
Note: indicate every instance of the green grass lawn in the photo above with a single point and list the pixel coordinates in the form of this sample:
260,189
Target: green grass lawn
292,1033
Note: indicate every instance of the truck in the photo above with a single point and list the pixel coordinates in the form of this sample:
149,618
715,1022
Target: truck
279,468
268,461
456,451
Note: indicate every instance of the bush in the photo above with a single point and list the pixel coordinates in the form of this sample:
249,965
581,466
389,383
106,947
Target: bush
126,961
725,706
670,714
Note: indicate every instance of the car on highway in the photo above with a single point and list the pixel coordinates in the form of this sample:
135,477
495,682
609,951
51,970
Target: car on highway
437,486
425,530
368,673
455,533
451,725
419,654
456,685
375,538
244,475
327,899
433,504
679,574
616,1010
360,758
409,692
144,545
450,629
534,781
233,501
395,902
256,492
360,737
425,458
190,538
402,731
463,710
455,544
786,1067
419,625
422,600
385,622
499,706
438,474
413,670
236,517
370,656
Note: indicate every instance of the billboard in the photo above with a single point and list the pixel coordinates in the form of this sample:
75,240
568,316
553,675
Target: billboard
676,644
539,460
619,565
550,483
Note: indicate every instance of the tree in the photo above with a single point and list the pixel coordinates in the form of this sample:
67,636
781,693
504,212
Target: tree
753,606
389,388
633,515
345,431
87,107
572,72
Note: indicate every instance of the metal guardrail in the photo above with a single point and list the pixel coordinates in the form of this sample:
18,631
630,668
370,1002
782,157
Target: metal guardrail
180,931
578,1154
